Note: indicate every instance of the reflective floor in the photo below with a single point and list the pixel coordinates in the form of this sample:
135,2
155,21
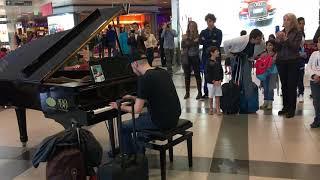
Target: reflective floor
258,146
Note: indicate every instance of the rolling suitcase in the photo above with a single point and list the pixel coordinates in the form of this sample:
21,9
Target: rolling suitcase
125,167
230,100
249,103
249,94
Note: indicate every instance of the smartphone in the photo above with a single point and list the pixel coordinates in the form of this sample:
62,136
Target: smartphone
277,29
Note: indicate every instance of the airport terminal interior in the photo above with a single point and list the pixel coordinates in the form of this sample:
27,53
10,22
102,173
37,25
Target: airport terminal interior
37,37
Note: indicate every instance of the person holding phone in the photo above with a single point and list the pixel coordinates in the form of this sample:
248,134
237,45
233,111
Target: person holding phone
136,42
288,57
168,35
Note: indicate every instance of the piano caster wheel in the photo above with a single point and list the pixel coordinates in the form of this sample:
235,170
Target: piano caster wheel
24,144
112,154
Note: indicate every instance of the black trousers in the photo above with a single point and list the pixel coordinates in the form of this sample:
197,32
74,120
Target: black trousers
163,56
289,74
300,82
193,64
150,55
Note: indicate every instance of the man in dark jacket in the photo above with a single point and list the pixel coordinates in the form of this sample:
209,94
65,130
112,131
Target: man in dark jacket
303,57
111,41
211,36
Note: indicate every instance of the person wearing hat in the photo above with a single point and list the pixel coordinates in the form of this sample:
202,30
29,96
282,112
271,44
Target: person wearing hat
156,87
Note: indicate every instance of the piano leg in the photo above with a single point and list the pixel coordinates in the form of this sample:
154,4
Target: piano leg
22,123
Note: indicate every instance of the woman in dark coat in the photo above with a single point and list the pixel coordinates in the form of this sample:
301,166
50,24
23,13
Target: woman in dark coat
288,41
190,45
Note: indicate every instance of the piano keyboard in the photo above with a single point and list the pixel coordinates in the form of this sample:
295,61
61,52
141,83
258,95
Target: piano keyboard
106,108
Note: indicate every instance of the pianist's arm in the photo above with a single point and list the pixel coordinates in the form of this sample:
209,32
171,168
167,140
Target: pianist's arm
138,106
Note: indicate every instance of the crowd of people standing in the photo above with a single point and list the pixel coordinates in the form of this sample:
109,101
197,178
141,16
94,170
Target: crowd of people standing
283,51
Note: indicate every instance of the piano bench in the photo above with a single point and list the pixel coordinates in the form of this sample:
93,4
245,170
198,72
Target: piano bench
168,135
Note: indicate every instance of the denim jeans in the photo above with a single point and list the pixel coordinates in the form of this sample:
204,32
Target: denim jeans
267,92
169,58
142,122
315,91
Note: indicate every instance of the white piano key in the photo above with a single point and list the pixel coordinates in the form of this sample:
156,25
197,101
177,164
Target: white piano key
106,108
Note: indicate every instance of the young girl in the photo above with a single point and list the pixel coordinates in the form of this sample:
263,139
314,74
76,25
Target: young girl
214,77
270,80
313,68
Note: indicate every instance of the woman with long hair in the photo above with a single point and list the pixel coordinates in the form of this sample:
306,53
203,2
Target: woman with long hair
191,60
289,40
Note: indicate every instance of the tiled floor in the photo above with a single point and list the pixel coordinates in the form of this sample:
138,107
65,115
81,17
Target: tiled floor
261,146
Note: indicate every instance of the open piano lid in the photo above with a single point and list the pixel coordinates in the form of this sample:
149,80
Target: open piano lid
37,61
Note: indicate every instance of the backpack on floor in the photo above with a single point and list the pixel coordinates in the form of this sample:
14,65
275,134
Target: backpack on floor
67,164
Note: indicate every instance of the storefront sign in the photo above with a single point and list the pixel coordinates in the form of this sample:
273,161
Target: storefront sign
46,9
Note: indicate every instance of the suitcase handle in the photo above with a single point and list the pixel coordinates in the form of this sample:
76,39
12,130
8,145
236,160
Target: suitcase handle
131,101
119,123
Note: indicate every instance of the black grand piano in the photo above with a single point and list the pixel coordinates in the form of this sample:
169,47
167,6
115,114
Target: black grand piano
33,77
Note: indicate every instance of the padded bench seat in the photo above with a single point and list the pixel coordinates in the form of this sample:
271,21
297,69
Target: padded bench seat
167,135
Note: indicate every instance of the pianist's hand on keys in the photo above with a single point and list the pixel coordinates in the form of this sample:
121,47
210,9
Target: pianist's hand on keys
113,105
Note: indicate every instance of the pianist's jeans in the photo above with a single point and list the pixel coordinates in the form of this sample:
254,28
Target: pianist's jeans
142,122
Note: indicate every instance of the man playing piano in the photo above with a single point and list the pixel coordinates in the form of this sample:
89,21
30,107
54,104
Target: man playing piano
155,87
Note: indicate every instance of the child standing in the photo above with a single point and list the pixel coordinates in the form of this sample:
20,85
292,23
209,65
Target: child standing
214,77
270,79
313,68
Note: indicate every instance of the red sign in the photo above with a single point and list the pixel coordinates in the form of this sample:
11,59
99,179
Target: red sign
46,9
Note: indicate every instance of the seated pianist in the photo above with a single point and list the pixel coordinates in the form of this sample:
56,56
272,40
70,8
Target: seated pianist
156,87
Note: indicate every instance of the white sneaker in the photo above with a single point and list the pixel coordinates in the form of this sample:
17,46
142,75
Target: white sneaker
301,99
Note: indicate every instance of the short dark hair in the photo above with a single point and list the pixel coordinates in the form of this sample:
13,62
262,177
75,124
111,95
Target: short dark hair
243,32
135,24
211,17
122,29
271,36
146,23
255,33
300,19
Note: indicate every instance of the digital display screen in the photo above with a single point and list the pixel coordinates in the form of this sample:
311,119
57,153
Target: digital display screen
60,22
233,16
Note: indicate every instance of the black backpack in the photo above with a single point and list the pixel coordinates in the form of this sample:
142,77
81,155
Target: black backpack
66,164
